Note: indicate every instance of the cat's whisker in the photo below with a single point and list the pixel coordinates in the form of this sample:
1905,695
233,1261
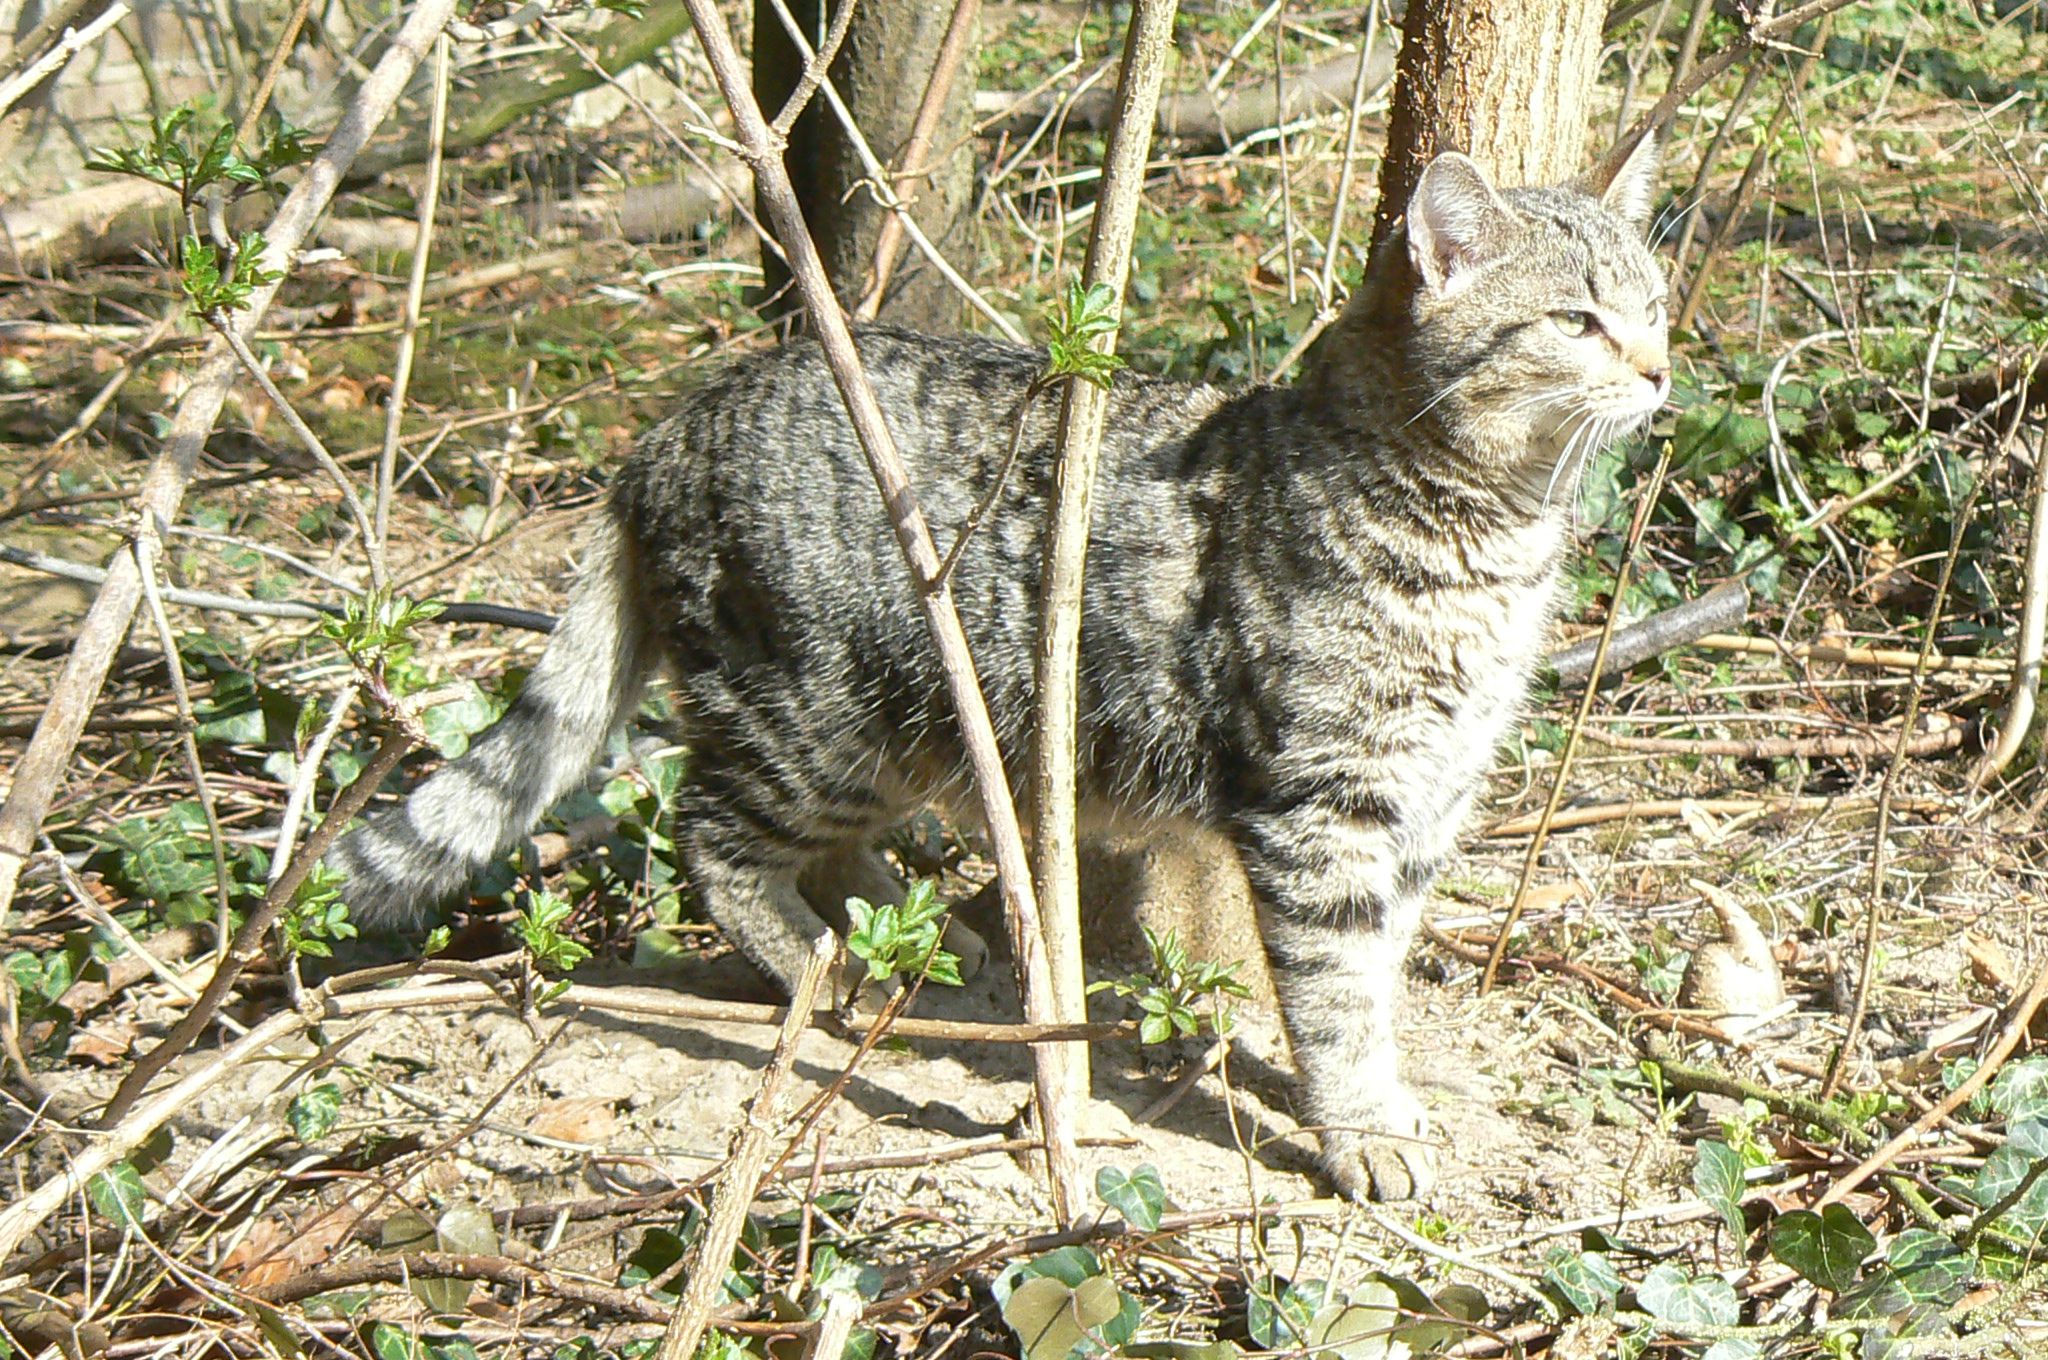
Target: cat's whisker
1449,388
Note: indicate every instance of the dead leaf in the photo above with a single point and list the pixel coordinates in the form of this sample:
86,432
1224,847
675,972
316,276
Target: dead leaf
576,1119
1838,148
276,1249
1990,964
1551,896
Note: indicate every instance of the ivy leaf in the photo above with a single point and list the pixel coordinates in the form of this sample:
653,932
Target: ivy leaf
1279,1316
1585,1280
118,1193
1140,1196
1670,1295
1717,1179
1055,1320
2020,1091
1827,1248
314,1112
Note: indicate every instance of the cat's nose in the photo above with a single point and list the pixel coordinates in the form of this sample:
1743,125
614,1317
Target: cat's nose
1657,375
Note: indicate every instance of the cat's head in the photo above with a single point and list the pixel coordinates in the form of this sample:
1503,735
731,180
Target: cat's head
1536,320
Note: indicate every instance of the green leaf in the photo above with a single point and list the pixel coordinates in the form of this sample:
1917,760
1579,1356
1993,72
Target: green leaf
1671,1295
392,1343
118,1193
1717,1178
2020,1090
1278,1315
1140,1196
314,1112
1827,1248
1362,1329
1055,1320
1585,1280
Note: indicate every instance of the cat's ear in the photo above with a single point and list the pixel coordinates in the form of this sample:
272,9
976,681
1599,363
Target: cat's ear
1456,222
1632,188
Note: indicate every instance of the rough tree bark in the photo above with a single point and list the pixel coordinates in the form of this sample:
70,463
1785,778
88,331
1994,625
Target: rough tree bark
1508,82
881,72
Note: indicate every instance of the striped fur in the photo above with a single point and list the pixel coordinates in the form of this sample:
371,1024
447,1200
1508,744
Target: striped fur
1311,613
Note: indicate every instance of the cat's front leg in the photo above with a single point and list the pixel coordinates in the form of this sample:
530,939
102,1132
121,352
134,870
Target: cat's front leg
1340,904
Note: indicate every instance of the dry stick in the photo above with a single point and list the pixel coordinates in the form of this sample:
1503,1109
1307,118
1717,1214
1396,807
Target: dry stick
744,1163
1866,976
33,43
889,242
1889,658
458,611
1725,606
245,131
163,489
147,547
763,153
248,942
662,1004
815,68
70,45
104,1149
1598,814
409,333
406,1267
1868,746
1636,529
2018,717
2016,1025
1054,773
1738,204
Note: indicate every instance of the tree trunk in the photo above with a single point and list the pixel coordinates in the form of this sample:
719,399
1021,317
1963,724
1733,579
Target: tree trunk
881,72
1508,82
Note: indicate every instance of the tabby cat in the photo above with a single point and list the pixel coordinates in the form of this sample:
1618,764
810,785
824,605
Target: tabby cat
1311,613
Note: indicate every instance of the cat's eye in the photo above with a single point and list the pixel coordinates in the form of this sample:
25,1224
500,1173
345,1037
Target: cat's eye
1575,324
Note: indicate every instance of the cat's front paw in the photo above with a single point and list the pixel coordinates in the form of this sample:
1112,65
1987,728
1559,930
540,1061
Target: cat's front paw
1384,1154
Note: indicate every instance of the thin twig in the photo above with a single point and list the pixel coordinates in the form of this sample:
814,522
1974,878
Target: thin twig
298,426
280,53
1078,450
1636,529
147,547
455,611
745,1161
416,284
889,242
815,67
1866,977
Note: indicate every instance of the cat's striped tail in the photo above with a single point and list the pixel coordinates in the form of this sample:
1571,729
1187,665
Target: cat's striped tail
407,861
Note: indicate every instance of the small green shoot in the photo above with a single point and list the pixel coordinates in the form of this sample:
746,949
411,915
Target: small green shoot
1171,995
553,952
316,915
214,287
903,941
1082,316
